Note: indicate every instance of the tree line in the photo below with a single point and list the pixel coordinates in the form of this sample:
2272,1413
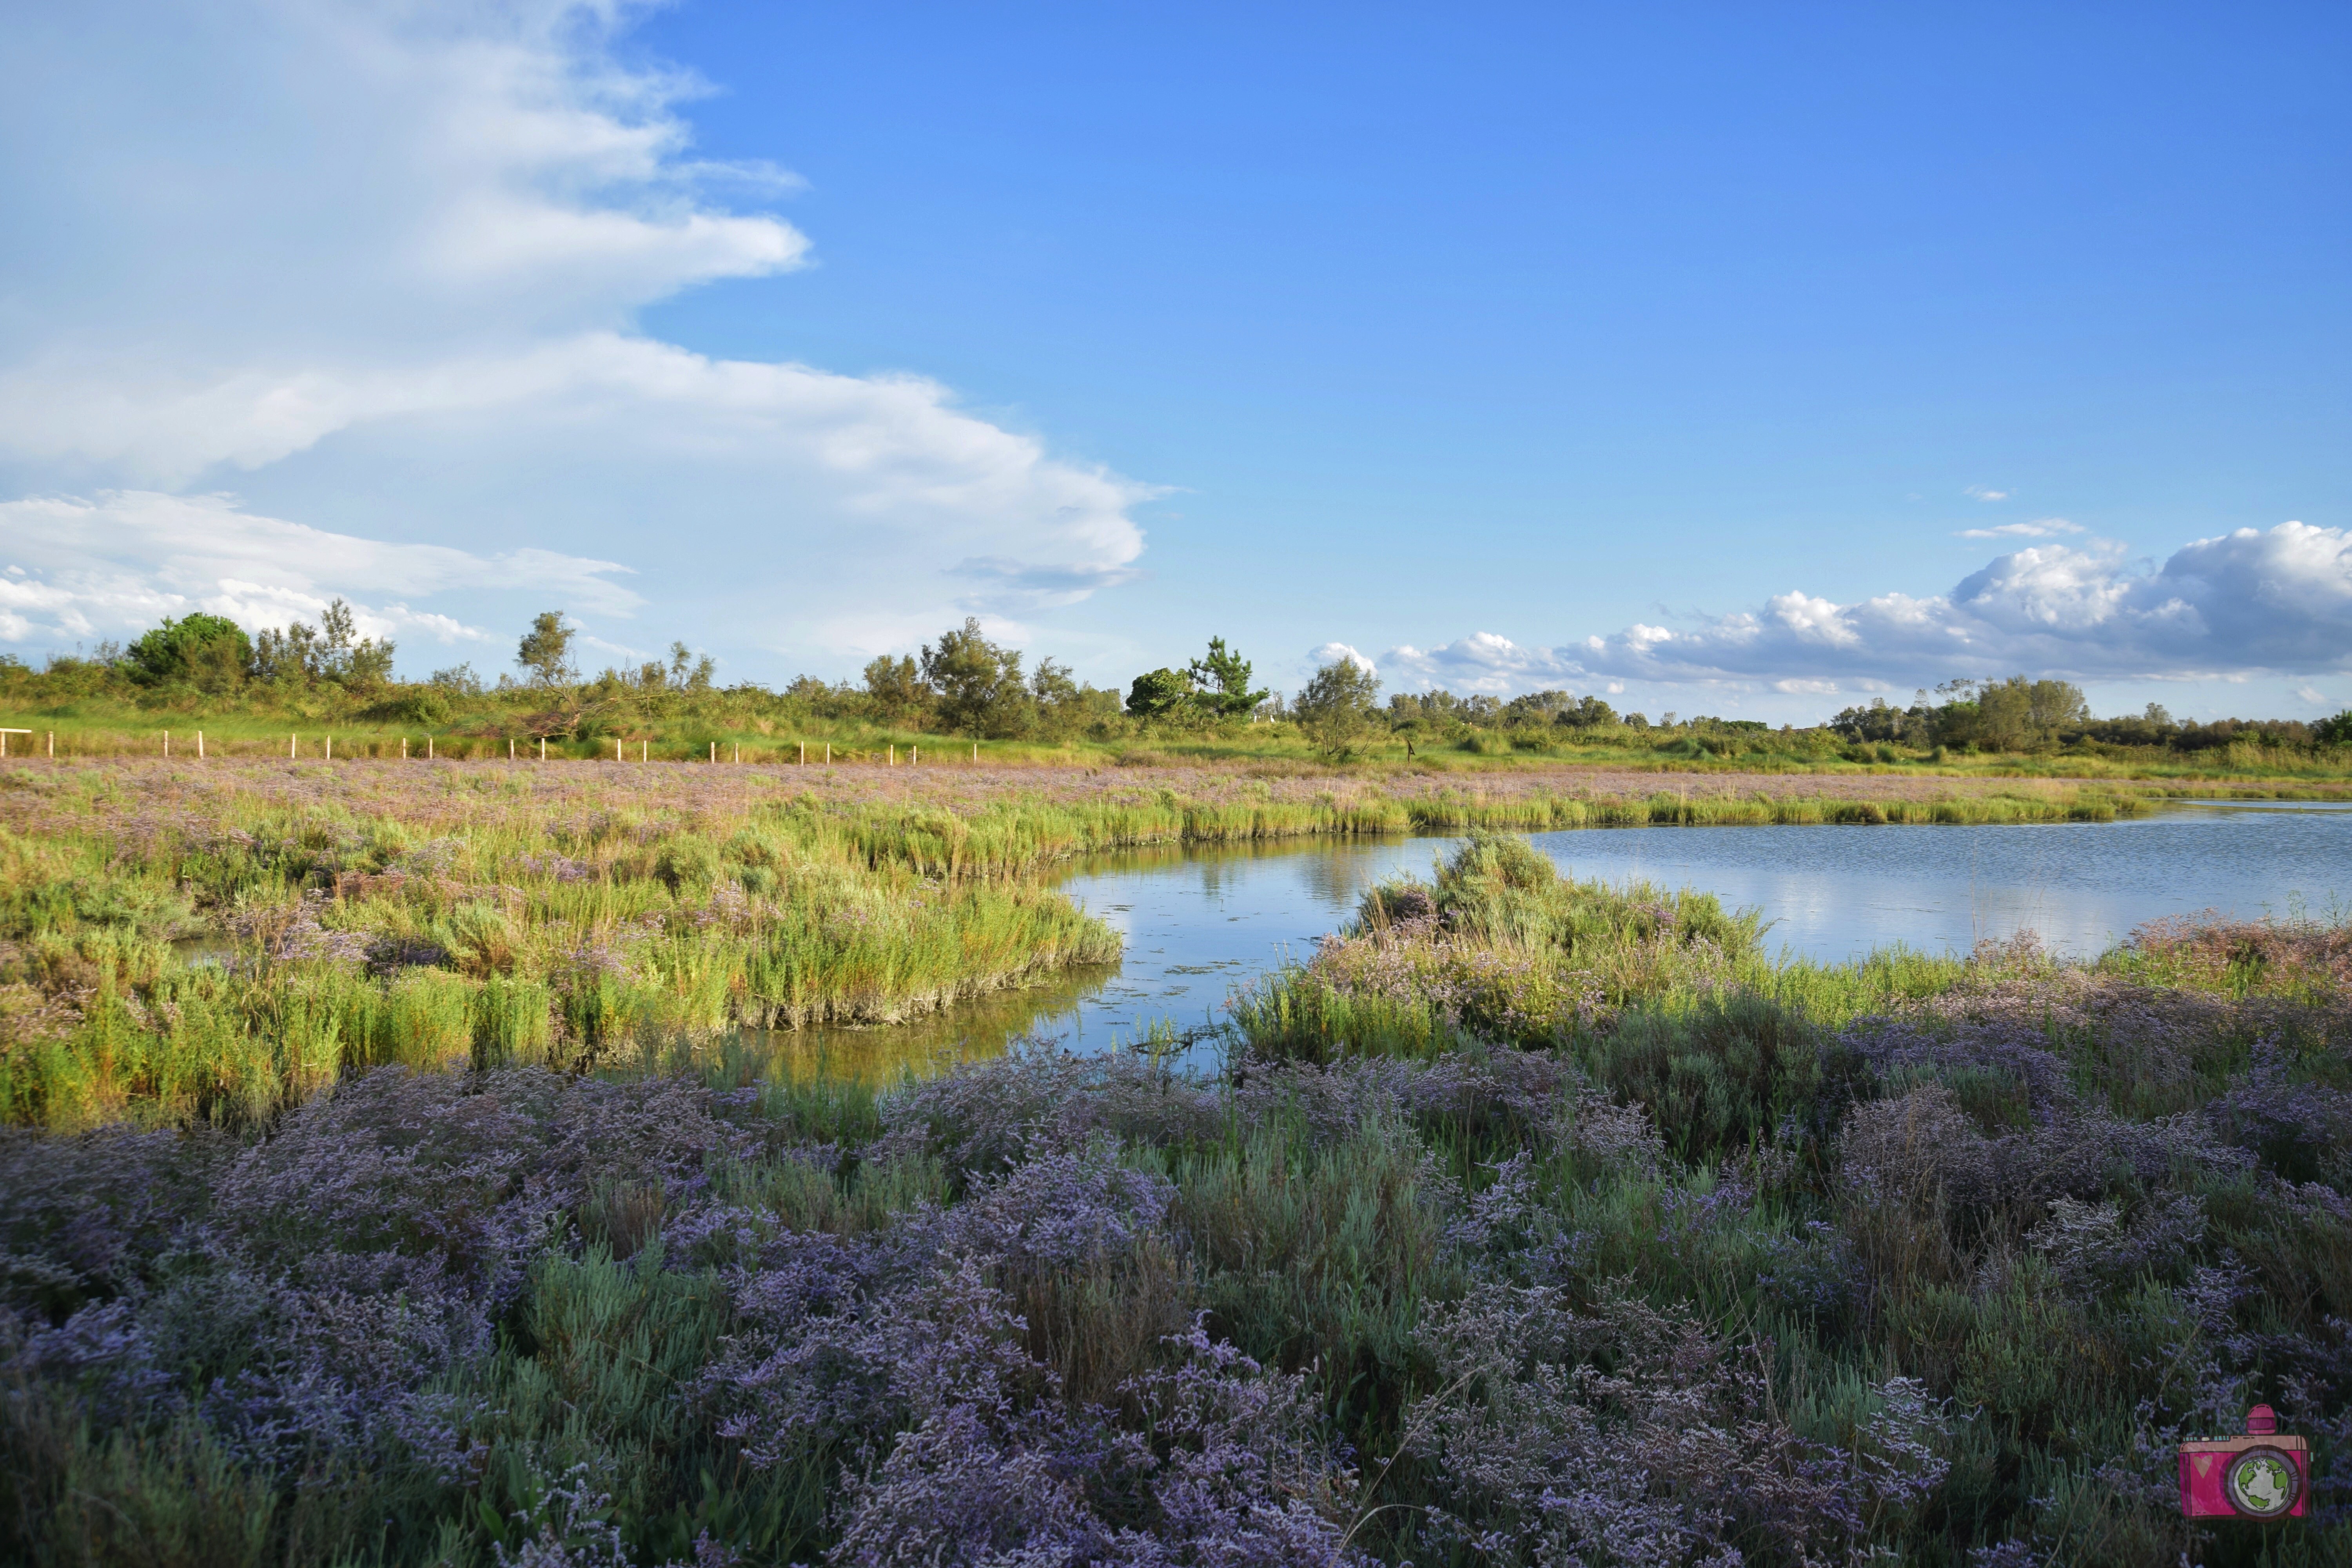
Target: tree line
966,683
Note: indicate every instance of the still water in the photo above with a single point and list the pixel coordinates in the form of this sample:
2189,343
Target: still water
1199,921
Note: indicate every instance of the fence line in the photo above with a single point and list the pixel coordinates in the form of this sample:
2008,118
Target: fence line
97,745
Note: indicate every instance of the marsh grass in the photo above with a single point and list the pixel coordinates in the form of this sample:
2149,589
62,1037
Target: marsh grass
509,1210
213,944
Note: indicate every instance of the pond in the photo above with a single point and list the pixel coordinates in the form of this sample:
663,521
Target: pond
1198,921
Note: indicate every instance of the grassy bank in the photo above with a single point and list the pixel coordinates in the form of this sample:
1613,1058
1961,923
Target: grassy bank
1537,1223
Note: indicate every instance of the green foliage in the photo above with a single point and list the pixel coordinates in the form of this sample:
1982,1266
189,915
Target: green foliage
1221,682
978,686
897,687
332,651
211,653
545,651
1337,705
1159,693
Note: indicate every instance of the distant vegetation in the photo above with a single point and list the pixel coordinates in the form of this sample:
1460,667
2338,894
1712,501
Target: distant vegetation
249,693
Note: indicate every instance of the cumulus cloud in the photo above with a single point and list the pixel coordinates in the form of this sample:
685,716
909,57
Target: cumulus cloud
2246,603
2046,528
1333,652
377,269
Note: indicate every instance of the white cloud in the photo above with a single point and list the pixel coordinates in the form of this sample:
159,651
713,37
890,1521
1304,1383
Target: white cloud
2047,528
378,267
1333,652
1982,493
2243,603
128,558
1483,662
2313,695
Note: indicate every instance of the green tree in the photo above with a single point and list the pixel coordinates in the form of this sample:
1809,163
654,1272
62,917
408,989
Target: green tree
1063,705
2336,730
690,672
1338,704
546,649
1159,693
2012,715
1586,713
897,687
1221,682
347,658
209,652
978,682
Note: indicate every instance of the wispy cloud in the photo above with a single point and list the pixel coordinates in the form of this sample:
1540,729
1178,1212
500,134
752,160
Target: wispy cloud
2047,528
1982,493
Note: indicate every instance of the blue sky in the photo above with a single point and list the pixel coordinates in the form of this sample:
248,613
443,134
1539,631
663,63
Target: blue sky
1723,359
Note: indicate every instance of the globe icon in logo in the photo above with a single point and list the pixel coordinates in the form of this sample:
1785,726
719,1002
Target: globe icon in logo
2261,1483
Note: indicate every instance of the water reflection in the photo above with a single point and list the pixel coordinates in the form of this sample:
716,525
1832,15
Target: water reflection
1199,921
1835,893
1196,922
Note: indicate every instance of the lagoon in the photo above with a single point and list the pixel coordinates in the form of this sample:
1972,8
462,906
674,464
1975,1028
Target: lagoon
1200,919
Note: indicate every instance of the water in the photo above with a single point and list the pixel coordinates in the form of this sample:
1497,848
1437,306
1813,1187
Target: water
1199,921
1835,893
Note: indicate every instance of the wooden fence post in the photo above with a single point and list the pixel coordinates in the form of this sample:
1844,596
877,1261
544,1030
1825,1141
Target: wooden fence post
543,748
290,741
828,753
167,742
644,751
803,753
331,748
893,754
975,750
428,747
200,745
914,755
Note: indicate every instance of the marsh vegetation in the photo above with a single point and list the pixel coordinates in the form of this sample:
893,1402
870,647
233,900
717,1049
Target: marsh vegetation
415,1213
